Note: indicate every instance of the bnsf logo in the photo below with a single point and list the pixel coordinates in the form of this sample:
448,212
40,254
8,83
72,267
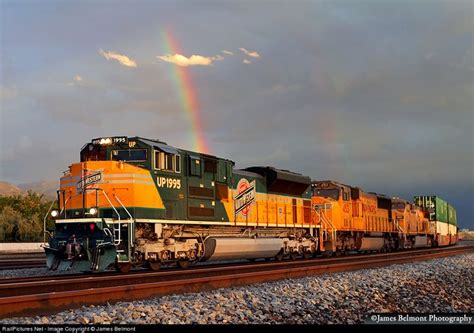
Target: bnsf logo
168,182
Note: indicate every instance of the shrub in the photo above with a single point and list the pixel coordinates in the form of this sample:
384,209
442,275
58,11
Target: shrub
21,217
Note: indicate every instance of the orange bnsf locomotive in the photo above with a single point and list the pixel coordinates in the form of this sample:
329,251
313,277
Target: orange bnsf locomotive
136,202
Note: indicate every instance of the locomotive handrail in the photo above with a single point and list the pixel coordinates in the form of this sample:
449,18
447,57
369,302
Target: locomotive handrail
110,202
108,232
400,229
64,208
130,215
44,221
119,238
120,202
322,215
320,210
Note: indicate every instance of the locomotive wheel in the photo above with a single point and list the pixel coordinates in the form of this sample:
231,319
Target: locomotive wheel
123,267
183,263
293,255
307,254
154,265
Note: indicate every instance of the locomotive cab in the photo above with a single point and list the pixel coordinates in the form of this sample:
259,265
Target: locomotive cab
97,200
411,222
351,219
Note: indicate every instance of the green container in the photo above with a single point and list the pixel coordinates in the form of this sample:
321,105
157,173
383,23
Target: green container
452,215
437,207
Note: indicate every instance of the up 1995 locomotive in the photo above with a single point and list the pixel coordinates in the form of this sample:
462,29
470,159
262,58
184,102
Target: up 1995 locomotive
141,202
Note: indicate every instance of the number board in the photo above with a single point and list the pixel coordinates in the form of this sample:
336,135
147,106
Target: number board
110,141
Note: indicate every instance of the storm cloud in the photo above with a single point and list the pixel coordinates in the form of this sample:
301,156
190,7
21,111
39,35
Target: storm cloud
370,93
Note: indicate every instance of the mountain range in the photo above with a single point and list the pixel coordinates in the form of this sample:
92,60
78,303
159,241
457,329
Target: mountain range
46,187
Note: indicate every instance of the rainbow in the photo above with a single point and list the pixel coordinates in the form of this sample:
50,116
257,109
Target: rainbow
187,94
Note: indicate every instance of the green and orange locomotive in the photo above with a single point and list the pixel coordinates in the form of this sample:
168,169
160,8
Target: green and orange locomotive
136,202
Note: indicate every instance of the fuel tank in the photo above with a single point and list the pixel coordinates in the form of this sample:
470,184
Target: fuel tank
241,248
371,244
421,241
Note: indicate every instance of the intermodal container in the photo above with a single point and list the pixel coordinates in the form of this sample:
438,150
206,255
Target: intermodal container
436,207
452,215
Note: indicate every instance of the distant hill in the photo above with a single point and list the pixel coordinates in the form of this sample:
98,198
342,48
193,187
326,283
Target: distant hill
47,188
466,235
9,189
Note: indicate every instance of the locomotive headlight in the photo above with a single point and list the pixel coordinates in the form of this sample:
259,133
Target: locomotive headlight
93,211
54,213
105,141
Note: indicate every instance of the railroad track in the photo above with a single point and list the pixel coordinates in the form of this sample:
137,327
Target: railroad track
42,295
22,260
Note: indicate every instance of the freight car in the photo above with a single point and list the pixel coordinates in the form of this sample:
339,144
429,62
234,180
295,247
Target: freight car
132,201
442,216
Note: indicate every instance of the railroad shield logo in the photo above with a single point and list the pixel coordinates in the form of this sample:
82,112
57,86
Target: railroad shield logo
246,195
89,178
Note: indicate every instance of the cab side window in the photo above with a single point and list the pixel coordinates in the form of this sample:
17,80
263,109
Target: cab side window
194,166
177,163
167,162
129,155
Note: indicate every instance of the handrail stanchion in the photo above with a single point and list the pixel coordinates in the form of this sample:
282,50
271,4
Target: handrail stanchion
44,221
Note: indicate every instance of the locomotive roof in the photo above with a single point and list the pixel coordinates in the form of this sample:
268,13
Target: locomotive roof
281,181
281,174
244,172
170,149
162,145
378,195
159,144
316,182
397,199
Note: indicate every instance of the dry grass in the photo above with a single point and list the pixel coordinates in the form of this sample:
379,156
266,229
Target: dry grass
466,235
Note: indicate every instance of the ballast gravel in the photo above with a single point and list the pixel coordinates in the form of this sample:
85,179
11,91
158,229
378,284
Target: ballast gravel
435,286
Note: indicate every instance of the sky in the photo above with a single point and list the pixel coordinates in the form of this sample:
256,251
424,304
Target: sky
375,94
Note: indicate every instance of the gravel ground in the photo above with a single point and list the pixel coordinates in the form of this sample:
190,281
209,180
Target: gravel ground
439,285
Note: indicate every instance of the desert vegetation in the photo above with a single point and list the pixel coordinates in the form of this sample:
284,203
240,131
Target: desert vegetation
21,217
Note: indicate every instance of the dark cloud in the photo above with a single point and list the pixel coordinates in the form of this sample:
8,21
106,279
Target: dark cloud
376,94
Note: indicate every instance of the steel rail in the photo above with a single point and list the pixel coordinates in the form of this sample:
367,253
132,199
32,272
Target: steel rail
22,260
101,289
41,280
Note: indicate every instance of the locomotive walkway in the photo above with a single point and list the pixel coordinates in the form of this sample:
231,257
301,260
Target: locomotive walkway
42,295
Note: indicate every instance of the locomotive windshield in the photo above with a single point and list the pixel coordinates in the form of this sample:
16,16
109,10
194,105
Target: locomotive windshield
333,193
130,155
398,205
94,153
